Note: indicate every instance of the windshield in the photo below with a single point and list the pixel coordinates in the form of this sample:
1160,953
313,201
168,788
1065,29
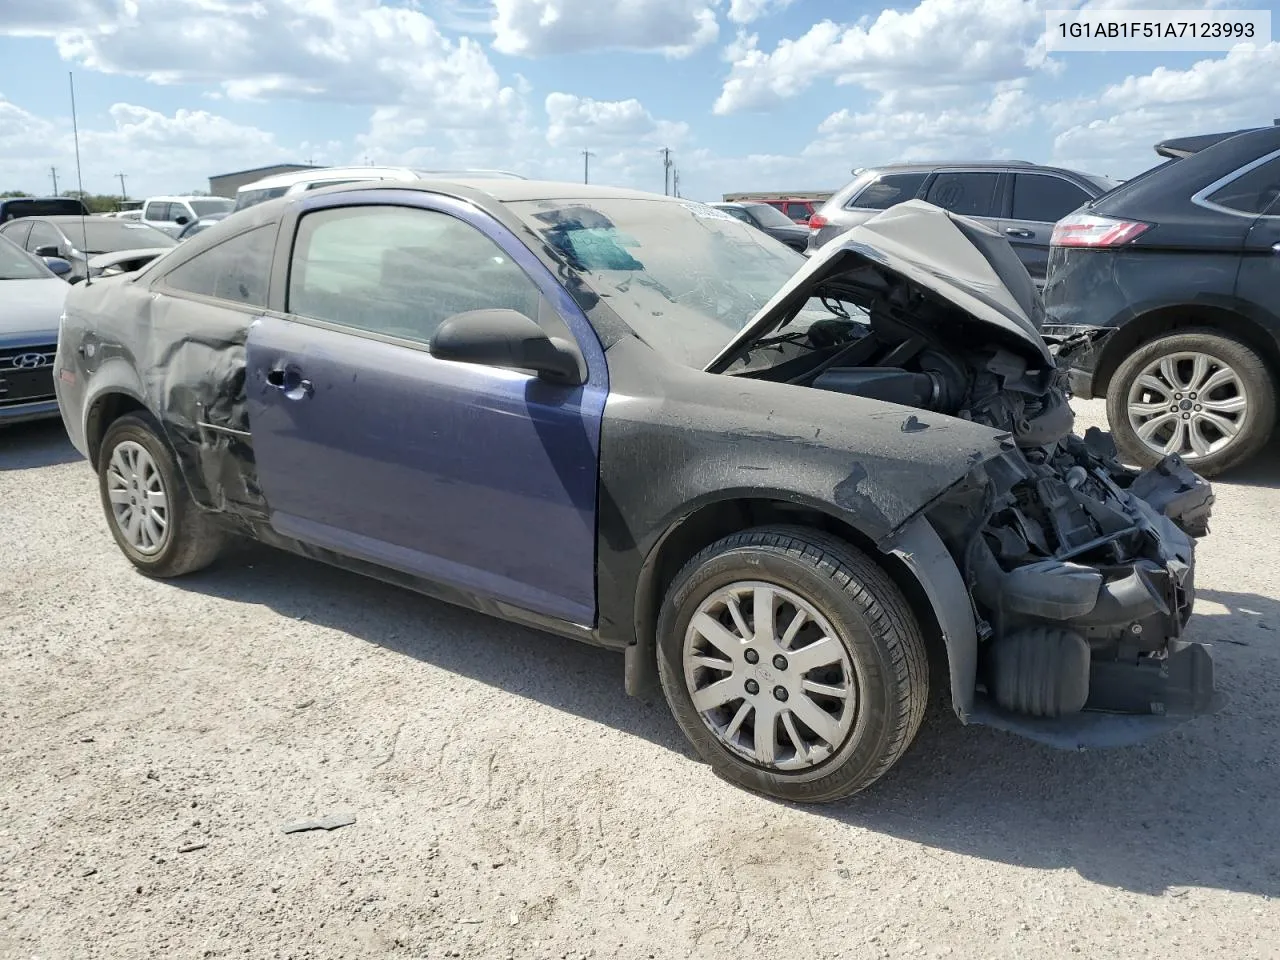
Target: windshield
16,264
210,205
769,216
101,235
684,276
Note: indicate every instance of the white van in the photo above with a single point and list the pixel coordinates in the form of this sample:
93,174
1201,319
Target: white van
281,184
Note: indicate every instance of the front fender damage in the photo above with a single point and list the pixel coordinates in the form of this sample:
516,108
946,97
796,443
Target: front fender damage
1078,577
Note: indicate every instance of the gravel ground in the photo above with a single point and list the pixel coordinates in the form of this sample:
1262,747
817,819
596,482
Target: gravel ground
511,801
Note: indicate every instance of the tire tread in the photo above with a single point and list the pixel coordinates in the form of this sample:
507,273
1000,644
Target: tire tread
887,614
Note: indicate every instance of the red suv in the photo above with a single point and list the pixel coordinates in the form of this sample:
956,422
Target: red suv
798,210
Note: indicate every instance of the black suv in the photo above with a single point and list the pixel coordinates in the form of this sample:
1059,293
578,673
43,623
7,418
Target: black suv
11,208
1164,297
1019,200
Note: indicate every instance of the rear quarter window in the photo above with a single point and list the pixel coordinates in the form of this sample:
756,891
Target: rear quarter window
890,189
1253,192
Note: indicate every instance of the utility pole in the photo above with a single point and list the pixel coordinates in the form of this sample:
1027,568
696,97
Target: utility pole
586,165
675,181
124,195
666,170
54,171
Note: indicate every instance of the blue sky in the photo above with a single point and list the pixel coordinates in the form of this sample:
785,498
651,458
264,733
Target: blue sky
748,94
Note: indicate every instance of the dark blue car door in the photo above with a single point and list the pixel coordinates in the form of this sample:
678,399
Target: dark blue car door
472,476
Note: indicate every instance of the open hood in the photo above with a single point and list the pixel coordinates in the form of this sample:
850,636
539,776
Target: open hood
952,259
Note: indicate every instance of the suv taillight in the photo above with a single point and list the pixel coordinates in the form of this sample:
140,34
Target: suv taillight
818,221
1087,230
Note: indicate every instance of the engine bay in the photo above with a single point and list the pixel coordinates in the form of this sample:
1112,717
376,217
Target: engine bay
1080,569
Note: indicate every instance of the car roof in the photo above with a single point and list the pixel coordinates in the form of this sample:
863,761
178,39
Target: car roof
69,218
502,191
188,196
337,173
1180,147
923,166
1169,188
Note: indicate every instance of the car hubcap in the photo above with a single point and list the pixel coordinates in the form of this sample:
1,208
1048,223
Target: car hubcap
139,504
769,676
1191,404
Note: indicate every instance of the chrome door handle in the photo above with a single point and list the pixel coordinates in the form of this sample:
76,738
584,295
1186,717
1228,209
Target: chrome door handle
1275,248
1019,233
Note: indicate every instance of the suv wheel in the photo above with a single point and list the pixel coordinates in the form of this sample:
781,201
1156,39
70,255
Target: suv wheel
149,509
792,663
1199,393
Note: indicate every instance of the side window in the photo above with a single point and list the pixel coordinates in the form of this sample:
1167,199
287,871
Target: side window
17,232
798,211
966,194
887,190
237,269
1253,192
737,213
156,211
402,271
177,210
43,235
1045,199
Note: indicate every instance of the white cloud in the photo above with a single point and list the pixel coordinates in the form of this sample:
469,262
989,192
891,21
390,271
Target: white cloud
749,11
586,123
1114,131
968,129
157,152
938,42
536,28
353,51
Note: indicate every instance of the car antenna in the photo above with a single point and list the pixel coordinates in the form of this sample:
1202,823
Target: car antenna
75,132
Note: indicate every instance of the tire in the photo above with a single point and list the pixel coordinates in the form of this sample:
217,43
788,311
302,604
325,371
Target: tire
1250,380
189,539
867,617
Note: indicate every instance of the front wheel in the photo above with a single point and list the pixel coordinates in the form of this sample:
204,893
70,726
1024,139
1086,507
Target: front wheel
792,663
1198,393
149,509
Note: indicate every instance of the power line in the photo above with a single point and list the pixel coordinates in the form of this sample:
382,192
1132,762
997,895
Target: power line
666,170
586,165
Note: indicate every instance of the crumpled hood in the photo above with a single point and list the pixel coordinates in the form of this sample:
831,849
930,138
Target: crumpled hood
952,258
31,306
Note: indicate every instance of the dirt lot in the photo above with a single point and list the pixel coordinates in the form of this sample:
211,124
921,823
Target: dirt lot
510,801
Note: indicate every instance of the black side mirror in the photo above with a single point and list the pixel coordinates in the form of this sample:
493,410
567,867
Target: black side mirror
57,265
47,251
181,221
507,338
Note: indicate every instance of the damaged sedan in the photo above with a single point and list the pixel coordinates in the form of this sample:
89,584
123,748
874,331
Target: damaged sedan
796,495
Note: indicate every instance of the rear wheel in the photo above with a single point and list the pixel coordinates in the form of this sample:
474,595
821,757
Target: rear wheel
149,509
792,663
1198,393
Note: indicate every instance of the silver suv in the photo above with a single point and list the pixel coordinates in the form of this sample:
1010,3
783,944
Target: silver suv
1020,200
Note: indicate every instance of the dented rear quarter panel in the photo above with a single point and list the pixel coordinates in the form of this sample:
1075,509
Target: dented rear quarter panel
676,439
183,360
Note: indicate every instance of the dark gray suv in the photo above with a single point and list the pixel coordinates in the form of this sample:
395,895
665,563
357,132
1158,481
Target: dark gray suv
1020,200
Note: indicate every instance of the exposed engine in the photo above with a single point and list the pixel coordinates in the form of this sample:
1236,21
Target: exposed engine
1079,568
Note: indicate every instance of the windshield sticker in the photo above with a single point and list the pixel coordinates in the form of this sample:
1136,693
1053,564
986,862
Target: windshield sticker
706,212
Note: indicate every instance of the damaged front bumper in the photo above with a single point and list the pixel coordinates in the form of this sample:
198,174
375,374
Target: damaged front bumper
1081,574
